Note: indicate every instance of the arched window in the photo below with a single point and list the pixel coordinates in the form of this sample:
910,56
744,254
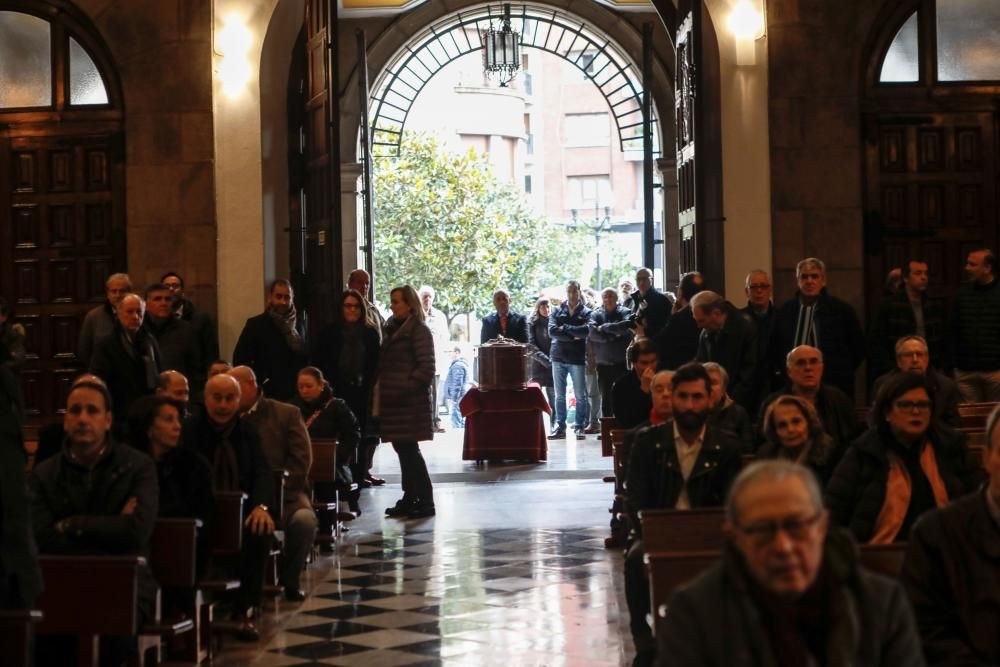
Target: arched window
45,65
956,40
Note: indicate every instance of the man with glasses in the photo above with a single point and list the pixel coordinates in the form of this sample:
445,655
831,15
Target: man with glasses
183,309
760,311
682,464
913,356
788,590
815,318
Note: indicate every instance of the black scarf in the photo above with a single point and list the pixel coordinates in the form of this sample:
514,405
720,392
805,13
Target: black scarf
225,467
350,360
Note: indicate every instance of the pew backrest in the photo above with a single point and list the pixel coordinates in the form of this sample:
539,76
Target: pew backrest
324,465
672,531
172,552
607,424
886,559
620,447
227,531
89,595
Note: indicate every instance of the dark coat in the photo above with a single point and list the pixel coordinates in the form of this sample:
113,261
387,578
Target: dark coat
91,502
654,479
97,323
185,481
947,397
405,375
180,350
630,404
766,377
734,347
328,417
838,332
517,327
262,347
569,333
286,446
18,554
893,320
952,575
714,621
975,328
539,346
677,343
651,310
355,391
610,335
208,340
822,457
126,370
856,491
255,476
836,412
734,420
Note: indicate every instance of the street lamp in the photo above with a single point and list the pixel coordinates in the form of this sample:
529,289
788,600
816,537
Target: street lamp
598,225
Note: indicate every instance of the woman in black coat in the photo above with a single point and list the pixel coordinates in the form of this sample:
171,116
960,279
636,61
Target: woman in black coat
328,417
347,352
539,345
793,431
405,374
903,466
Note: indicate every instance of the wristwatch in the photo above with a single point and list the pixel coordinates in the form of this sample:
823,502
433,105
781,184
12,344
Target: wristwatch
262,506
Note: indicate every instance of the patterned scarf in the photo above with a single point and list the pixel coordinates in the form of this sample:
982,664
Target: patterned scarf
286,325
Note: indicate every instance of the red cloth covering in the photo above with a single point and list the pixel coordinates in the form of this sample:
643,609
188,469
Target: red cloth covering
654,418
504,424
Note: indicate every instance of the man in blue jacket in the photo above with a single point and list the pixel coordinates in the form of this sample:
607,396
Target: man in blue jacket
611,333
568,327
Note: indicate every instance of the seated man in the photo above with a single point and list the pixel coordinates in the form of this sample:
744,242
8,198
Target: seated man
727,414
681,464
805,379
787,591
286,446
233,449
630,393
912,355
951,571
96,497
174,385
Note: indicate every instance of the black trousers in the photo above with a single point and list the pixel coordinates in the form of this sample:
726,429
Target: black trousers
416,480
637,597
606,376
366,456
253,560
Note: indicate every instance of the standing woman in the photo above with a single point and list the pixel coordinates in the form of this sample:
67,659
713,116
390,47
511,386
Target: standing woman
347,351
539,345
403,398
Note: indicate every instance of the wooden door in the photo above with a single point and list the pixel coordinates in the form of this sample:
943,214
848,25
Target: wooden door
931,194
687,116
61,235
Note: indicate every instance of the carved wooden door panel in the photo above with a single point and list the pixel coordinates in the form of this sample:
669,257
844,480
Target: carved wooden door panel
62,233
687,114
931,194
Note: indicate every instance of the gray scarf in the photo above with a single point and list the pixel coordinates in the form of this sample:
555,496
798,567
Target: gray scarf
286,325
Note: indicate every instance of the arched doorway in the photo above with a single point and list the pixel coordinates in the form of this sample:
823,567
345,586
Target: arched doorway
930,124
62,222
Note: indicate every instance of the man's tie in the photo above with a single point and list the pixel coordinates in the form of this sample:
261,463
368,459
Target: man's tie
503,324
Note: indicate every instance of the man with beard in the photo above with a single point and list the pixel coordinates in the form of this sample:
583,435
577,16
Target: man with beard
682,464
273,343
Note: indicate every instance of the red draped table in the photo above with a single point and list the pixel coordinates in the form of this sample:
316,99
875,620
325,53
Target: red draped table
504,425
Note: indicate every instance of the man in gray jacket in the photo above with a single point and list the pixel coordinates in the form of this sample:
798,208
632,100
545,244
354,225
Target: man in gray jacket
787,591
286,446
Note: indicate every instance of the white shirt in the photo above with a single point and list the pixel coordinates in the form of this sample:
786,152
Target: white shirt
687,454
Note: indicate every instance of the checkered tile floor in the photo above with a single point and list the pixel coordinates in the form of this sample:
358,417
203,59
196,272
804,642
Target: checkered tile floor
463,597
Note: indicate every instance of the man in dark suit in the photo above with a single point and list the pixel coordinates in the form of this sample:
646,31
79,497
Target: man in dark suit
815,318
728,339
912,355
273,343
677,343
685,463
650,307
504,322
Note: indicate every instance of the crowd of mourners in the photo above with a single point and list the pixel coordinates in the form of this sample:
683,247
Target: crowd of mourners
157,424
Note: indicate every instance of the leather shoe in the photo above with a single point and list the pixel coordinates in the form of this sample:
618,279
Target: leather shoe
421,510
557,434
401,509
247,632
590,430
364,483
375,481
295,595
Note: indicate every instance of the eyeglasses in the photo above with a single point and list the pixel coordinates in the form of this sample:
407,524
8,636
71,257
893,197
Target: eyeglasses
759,286
352,306
915,354
913,405
172,286
764,532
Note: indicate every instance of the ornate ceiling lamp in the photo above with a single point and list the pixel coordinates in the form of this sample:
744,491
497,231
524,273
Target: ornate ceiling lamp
502,50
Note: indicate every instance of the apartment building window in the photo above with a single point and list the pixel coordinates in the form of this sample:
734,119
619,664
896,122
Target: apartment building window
585,192
527,184
587,129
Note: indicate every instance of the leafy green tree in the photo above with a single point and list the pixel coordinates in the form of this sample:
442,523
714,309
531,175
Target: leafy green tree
444,219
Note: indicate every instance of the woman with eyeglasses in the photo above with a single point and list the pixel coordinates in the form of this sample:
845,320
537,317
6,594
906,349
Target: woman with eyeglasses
794,432
904,465
347,352
403,399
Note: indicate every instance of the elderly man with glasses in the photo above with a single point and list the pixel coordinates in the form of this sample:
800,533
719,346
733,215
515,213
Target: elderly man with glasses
788,589
913,355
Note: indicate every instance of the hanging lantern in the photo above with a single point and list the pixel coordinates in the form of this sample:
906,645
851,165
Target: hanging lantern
502,50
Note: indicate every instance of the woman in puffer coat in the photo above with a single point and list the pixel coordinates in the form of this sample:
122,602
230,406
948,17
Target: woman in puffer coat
403,398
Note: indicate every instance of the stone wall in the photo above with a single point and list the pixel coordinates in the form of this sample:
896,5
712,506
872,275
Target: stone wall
162,51
816,61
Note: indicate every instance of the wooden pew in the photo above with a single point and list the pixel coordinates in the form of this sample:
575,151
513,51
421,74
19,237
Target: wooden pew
886,559
607,424
619,519
173,560
74,584
16,631
225,542
670,530
972,416
324,473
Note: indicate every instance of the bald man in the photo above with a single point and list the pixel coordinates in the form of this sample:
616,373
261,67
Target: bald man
233,449
286,446
128,360
173,384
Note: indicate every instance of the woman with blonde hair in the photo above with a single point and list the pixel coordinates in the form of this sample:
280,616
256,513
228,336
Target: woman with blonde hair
793,431
403,400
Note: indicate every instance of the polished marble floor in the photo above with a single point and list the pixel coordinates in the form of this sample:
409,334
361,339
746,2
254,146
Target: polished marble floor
512,571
